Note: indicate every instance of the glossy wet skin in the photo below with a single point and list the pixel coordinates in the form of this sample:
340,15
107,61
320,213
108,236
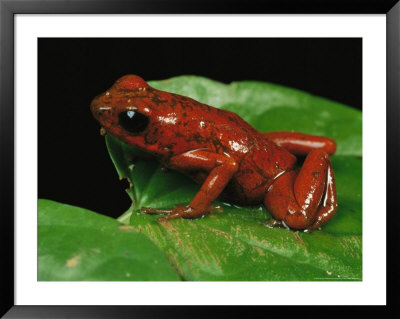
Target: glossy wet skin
214,147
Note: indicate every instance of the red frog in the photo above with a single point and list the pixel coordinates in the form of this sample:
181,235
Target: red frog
223,153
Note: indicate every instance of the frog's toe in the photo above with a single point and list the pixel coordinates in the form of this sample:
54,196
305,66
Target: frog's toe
180,211
169,216
153,211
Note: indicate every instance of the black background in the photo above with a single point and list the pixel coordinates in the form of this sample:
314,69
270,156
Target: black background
74,166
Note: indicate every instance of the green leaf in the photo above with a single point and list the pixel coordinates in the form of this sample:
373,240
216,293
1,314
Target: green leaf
235,243
77,244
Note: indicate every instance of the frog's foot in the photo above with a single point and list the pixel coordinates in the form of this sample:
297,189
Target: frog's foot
177,212
274,223
153,211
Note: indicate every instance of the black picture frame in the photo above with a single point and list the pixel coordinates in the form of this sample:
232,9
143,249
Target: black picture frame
8,10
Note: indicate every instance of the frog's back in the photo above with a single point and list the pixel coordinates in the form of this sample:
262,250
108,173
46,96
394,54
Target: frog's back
260,160
224,132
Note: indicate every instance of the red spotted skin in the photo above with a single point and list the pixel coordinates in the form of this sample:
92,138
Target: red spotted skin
185,134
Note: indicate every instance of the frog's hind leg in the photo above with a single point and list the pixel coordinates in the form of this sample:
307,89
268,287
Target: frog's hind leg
305,199
301,144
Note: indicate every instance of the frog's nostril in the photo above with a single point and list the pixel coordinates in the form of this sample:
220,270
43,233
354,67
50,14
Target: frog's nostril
99,109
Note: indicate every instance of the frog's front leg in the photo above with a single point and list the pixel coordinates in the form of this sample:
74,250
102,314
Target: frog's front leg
221,169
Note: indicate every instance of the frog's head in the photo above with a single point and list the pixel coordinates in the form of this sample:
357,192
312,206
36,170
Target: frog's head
123,110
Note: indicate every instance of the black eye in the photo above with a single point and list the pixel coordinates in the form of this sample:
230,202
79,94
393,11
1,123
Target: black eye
133,122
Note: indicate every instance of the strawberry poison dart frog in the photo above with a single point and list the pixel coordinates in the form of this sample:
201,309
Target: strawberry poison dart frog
223,153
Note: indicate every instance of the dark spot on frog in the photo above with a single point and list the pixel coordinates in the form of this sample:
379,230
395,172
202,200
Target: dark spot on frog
152,136
156,99
172,102
198,138
232,119
169,146
316,174
178,134
186,106
247,171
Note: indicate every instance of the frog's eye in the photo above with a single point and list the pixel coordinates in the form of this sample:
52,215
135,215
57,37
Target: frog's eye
133,121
